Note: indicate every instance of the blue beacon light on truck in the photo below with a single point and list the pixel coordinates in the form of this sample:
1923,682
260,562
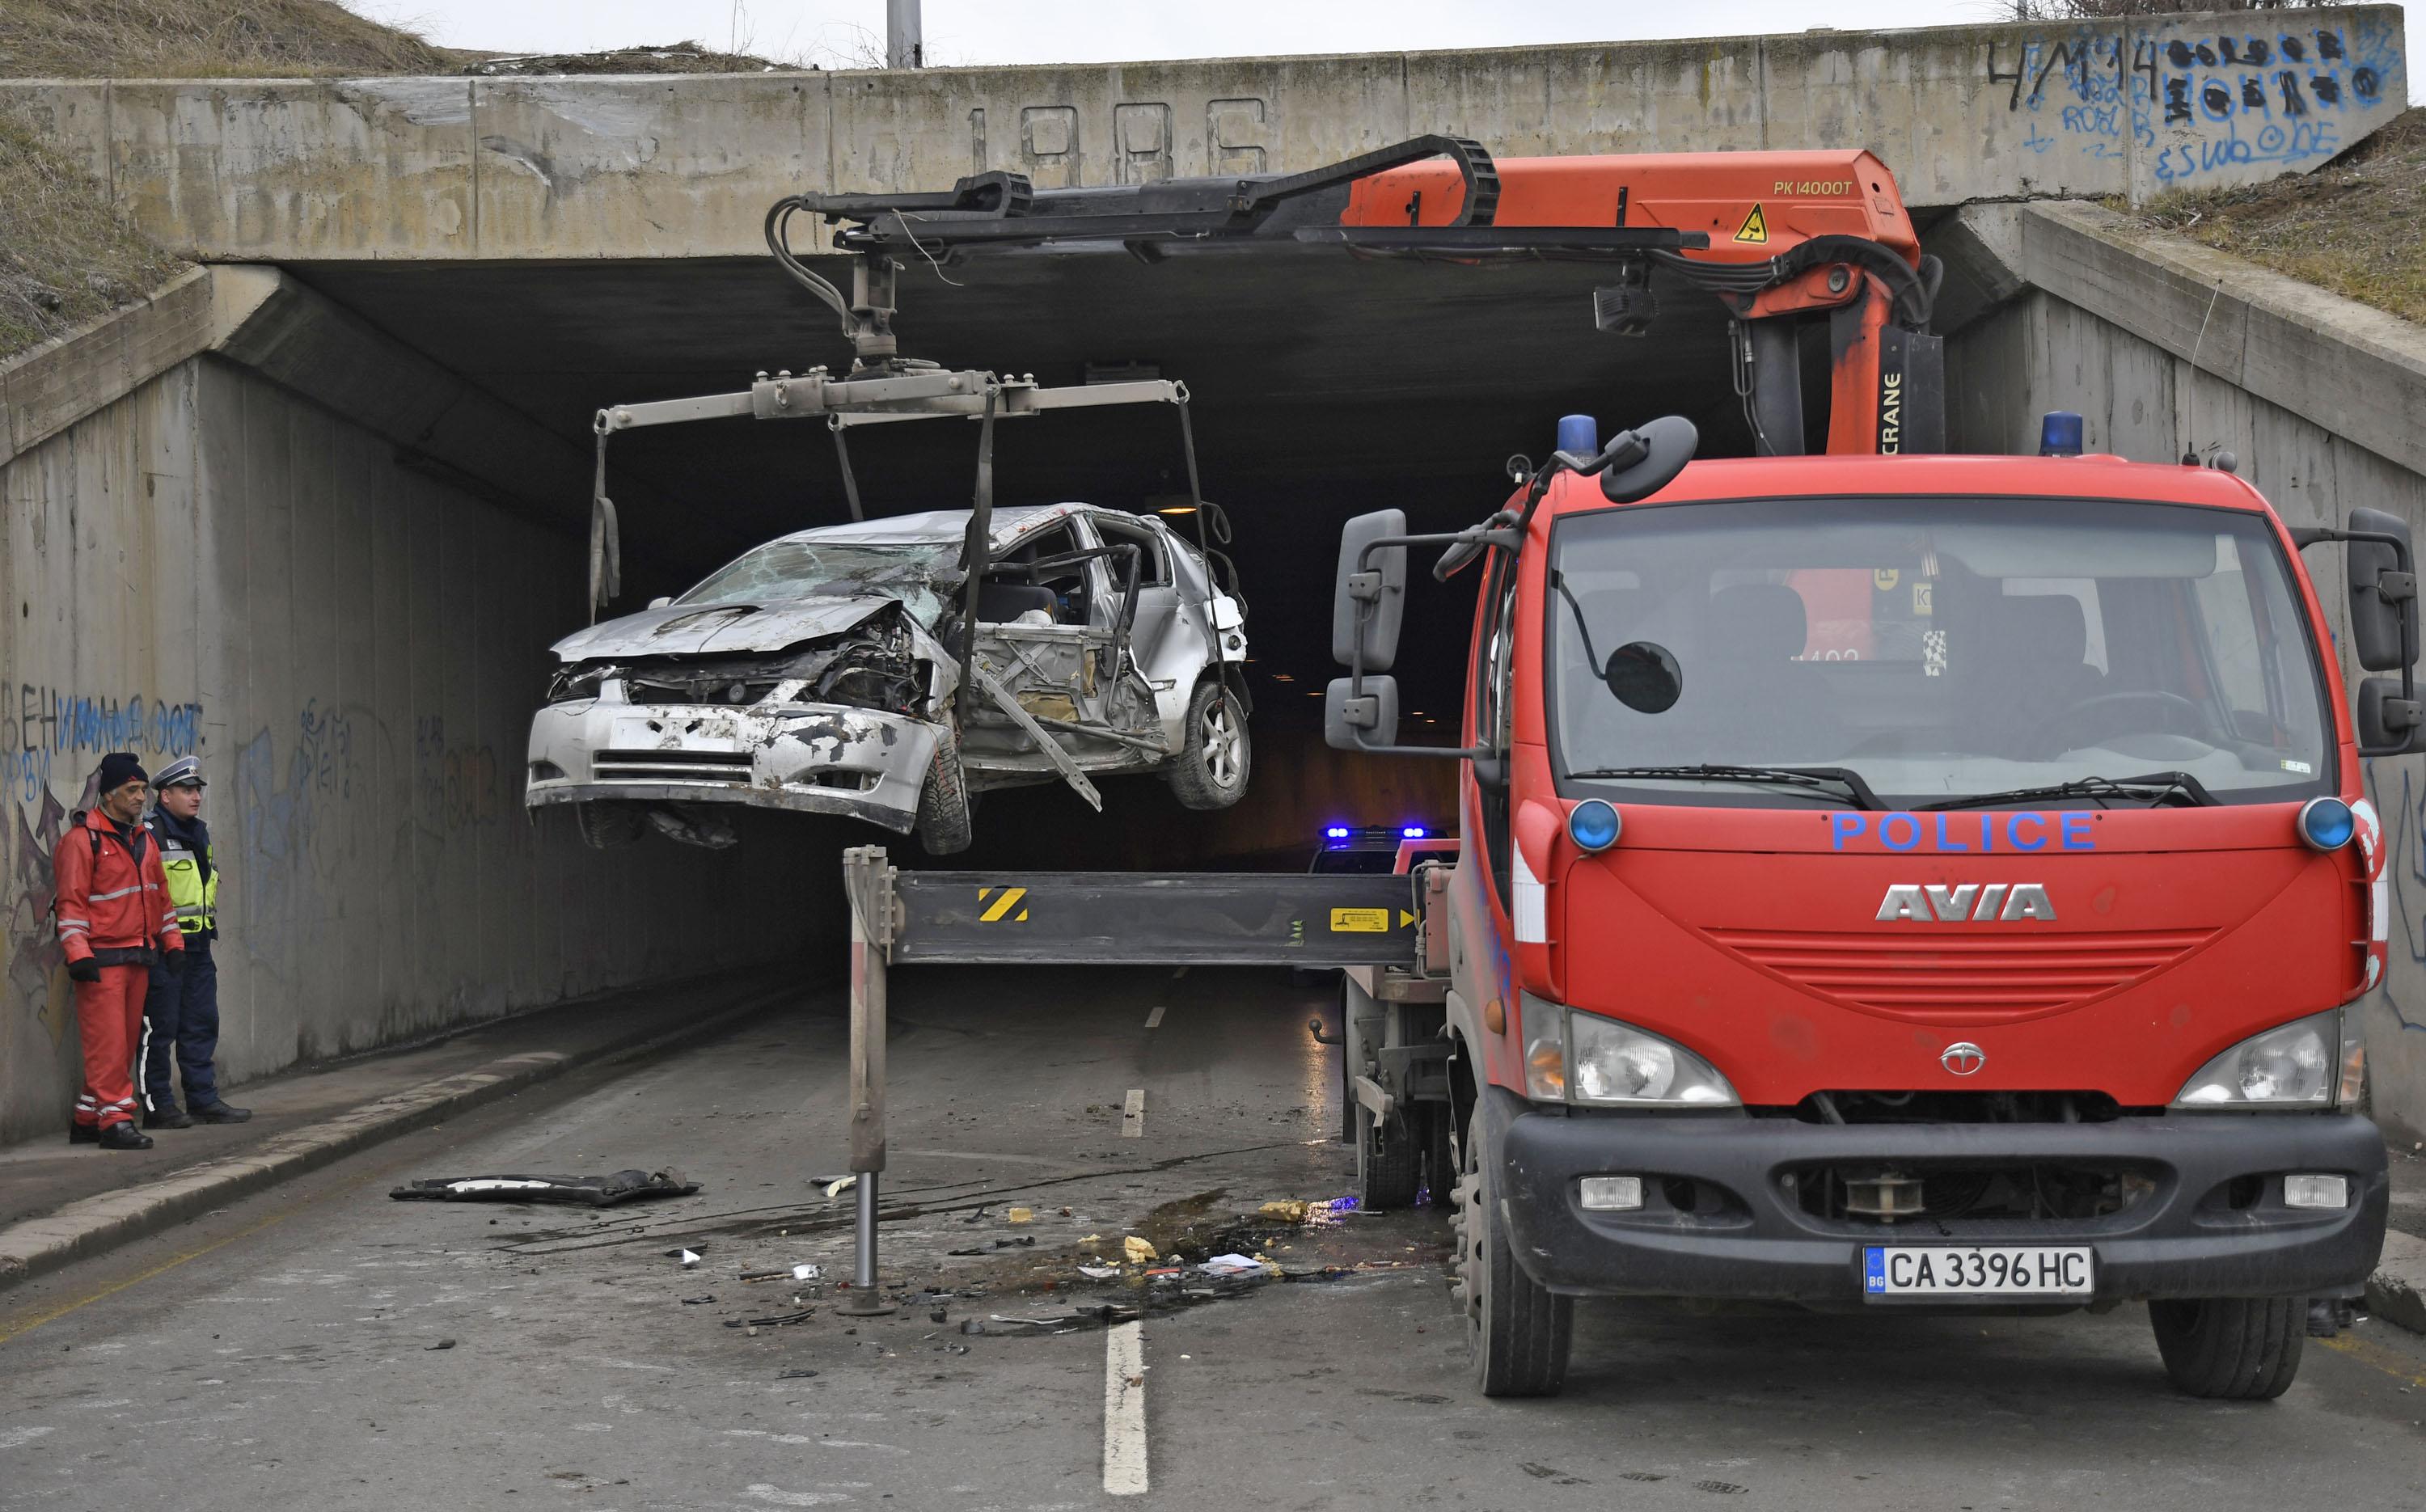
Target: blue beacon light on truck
2059,434
2326,824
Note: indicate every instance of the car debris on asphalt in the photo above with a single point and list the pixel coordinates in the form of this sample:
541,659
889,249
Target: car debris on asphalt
590,1191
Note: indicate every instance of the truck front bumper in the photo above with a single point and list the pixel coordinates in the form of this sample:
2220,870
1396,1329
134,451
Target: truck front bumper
2211,1220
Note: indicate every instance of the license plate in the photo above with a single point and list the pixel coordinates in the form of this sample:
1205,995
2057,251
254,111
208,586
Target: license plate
1976,1270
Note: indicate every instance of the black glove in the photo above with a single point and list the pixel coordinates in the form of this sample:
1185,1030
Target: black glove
85,971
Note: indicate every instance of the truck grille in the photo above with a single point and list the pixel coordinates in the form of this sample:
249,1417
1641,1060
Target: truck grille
670,766
1963,980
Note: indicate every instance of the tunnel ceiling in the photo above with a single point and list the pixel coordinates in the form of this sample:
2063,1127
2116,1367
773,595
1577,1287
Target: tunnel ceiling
1322,386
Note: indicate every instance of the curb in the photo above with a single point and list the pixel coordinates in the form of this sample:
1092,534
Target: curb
92,1225
2397,1291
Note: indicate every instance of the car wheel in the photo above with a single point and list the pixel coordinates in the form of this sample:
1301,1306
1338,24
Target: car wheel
2239,1348
606,825
1211,769
1519,1331
943,806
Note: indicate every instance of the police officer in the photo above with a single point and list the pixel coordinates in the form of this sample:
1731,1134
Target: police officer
181,1014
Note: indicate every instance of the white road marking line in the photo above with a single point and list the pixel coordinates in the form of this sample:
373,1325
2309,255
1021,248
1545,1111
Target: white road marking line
1125,1410
1133,1115
1154,1020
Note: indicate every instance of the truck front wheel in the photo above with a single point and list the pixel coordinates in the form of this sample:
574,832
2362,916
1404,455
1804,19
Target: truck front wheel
1519,1330
2239,1348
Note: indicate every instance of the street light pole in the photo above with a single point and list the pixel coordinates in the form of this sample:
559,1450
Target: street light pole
905,45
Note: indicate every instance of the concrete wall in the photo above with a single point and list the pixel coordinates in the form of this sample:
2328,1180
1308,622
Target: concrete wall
213,564
2123,359
685,166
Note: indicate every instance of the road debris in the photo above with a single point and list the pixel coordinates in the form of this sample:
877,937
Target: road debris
442,1344
775,1320
794,1375
688,1257
807,1273
1137,1251
1100,1273
589,1191
1019,1216
838,1186
699,1301
1236,1265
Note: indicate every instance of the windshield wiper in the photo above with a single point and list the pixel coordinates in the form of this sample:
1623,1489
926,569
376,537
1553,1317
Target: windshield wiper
2154,786
1802,777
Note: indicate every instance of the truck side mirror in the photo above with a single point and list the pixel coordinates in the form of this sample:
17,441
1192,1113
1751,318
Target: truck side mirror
2383,593
1642,461
1353,722
1370,595
2388,724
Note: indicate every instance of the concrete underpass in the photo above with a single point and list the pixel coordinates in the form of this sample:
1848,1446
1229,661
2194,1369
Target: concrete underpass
367,415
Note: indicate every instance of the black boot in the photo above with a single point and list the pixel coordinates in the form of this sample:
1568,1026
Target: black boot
82,1133
169,1118
124,1137
221,1112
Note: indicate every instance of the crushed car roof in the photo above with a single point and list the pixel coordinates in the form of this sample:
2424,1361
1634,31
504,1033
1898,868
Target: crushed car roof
938,525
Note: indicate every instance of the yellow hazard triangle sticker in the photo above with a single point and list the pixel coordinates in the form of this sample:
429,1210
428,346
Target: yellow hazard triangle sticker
1754,227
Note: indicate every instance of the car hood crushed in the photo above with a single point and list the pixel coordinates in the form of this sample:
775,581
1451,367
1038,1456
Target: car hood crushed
718,629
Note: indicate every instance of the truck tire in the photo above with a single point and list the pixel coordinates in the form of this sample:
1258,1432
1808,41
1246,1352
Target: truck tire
1215,756
944,824
1519,1332
609,826
2238,1348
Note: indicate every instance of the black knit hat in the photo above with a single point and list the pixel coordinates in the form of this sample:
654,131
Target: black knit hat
119,768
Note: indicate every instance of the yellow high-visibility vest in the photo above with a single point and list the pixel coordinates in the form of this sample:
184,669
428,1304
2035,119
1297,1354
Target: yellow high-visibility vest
196,901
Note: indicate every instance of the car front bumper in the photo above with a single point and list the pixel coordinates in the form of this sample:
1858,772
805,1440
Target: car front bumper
810,758
2182,1239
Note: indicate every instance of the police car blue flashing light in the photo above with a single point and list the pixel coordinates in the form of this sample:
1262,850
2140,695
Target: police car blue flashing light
1413,832
1593,825
2059,434
2326,824
1337,831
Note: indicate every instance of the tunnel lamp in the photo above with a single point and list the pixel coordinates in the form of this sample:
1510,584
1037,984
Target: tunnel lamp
2326,824
1593,825
1178,508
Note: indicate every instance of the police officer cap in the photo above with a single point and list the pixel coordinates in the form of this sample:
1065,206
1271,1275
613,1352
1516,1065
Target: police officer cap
184,770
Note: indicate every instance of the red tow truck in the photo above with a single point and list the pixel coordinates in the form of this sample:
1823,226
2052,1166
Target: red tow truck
1905,882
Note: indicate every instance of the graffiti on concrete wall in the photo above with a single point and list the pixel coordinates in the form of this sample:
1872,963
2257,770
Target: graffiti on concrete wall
2403,808
280,808
50,737
2193,102
457,782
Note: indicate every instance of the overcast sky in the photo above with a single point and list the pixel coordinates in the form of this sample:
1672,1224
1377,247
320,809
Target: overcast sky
1088,31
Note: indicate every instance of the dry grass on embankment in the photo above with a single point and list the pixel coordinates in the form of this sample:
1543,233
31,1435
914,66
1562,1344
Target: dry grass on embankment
2356,227
204,38
64,259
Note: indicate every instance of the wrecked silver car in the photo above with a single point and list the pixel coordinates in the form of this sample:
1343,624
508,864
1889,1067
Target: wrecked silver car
831,671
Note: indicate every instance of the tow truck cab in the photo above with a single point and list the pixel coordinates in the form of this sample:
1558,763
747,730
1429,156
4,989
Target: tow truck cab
1923,880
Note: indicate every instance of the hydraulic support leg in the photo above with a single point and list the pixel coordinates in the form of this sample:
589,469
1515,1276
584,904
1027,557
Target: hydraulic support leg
869,879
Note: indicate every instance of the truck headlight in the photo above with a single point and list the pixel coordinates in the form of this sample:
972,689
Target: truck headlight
1582,1058
2296,1064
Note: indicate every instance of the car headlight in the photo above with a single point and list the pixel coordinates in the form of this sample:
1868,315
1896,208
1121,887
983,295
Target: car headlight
2296,1064
1580,1057
573,683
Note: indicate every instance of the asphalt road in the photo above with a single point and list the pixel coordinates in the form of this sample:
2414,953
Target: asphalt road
286,1353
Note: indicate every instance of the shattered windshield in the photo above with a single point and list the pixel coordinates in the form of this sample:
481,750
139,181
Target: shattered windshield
1937,648
921,574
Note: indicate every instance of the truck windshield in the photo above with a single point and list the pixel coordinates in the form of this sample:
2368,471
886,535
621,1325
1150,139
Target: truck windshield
1937,647
918,573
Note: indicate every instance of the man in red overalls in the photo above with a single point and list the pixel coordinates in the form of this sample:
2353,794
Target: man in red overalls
115,917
